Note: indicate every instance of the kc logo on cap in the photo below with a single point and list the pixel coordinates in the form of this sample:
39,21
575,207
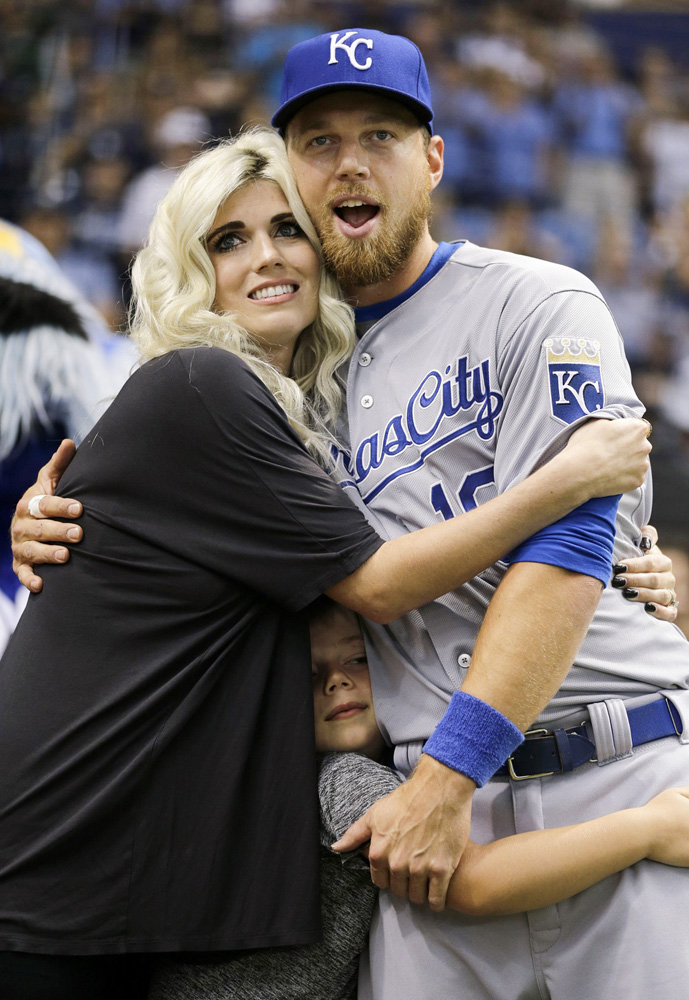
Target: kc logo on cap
354,58
341,43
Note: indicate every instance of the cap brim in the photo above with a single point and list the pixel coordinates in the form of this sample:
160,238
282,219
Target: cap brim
285,113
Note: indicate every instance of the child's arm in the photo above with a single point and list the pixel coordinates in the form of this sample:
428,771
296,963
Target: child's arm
530,870
348,785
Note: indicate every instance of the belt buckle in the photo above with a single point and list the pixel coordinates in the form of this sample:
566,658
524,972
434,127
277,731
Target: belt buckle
537,734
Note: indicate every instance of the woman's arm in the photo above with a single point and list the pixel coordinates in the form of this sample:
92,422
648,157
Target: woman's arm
602,458
530,870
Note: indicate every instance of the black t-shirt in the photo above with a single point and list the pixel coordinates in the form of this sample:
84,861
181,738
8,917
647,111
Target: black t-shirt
157,777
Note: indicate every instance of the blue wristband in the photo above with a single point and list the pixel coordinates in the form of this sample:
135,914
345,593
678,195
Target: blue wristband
473,737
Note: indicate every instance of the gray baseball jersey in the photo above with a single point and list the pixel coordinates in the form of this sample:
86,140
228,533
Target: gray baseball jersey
456,394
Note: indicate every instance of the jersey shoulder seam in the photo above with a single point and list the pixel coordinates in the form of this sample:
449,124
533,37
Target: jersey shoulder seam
550,295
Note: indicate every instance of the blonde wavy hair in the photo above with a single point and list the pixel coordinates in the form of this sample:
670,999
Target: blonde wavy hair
174,286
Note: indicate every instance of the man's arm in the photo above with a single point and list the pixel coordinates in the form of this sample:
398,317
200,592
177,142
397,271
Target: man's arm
534,626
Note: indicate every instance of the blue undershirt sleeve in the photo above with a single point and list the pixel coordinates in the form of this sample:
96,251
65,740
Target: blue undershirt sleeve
582,541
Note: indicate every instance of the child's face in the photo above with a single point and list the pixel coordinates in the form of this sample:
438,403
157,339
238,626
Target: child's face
342,700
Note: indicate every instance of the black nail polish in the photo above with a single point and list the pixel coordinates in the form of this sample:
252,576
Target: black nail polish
650,608
619,582
619,568
645,544
630,592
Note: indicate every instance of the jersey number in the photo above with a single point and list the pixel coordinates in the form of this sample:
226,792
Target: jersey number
466,494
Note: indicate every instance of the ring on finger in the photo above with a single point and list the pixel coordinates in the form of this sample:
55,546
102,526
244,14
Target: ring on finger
674,603
35,505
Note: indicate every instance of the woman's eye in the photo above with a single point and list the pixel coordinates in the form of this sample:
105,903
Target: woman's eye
224,242
289,229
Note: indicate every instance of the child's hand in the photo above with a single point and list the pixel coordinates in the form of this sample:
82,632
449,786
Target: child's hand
669,816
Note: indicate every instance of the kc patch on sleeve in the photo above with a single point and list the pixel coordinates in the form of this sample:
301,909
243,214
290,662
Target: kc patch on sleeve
574,376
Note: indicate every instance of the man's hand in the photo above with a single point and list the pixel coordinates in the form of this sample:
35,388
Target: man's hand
33,540
417,833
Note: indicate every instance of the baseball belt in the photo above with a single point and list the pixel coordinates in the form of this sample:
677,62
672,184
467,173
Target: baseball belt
545,751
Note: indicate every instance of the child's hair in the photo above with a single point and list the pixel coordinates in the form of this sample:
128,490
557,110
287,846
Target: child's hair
174,286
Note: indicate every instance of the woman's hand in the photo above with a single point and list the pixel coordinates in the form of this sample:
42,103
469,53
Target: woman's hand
648,578
34,539
668,818
609,456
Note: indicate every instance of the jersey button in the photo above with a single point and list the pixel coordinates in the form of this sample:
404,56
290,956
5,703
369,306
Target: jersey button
365,360
464,659
367,402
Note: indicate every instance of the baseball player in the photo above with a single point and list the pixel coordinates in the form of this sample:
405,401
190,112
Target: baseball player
472,368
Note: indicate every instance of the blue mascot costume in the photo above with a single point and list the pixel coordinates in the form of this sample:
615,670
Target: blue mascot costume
59,367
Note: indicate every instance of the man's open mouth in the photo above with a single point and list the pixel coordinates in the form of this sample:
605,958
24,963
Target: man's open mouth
356,213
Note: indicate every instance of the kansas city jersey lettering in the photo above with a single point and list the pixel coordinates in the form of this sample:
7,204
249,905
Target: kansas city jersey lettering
419,427
574,374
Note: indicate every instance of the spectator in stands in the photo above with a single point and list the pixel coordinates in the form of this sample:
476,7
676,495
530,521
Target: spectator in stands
178,135
515,138
86,268
666,144
517,229
97,216
596,113
629,288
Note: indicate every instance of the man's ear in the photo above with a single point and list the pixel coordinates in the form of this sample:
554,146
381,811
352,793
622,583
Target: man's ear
434,155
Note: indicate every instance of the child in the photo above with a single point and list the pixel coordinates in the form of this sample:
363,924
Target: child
544,867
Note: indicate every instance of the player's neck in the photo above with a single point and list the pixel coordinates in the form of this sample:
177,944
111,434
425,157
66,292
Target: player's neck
400,281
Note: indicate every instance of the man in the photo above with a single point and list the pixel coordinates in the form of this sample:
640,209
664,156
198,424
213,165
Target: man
472,367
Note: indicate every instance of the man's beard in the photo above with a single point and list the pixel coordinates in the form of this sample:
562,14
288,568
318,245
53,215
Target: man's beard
375,258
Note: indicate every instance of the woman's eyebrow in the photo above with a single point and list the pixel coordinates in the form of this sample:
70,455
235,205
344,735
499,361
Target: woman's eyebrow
238,224
226,225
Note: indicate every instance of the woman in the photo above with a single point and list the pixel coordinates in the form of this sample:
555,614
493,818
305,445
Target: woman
156,710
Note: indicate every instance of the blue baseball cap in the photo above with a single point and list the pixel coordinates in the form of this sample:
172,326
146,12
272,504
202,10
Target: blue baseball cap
346,60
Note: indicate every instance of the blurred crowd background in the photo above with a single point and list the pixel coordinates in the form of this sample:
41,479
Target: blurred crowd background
566,128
